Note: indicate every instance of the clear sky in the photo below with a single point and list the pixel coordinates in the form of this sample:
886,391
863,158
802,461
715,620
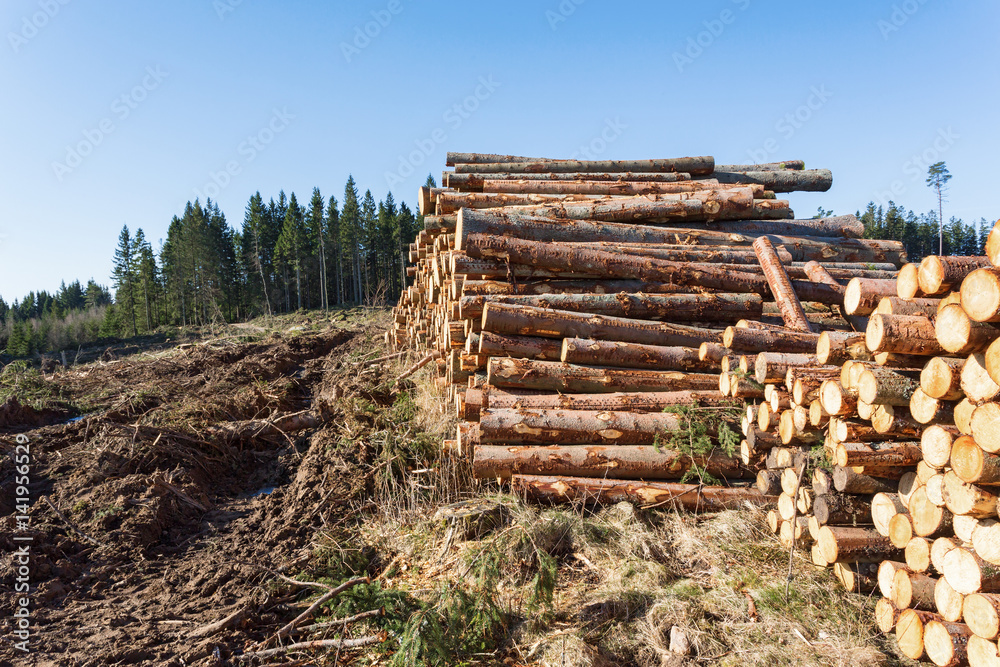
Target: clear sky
119,112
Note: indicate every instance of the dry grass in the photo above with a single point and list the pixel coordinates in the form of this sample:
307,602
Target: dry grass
623,579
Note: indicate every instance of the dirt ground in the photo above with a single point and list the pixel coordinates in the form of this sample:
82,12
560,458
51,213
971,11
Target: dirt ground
183,492
172,503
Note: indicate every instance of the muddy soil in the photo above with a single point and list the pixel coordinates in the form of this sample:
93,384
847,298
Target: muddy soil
172,503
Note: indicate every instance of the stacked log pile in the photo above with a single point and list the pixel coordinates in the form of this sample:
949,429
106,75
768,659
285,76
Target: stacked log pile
579,313
941,330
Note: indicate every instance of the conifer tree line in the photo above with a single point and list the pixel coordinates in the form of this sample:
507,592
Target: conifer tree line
286,255
919,232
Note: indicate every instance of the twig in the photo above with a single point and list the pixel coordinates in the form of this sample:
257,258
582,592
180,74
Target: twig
320,643
285,631
69,523
343,633
350,619
417,366
388,357
791,550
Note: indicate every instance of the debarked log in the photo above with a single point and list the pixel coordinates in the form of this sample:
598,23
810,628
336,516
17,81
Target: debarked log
612,462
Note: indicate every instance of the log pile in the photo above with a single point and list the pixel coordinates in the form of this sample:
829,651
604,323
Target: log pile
939,591
909,508
579,314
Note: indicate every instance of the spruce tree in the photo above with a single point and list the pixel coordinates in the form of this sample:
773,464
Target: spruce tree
123,273
254,231
350,225
316,228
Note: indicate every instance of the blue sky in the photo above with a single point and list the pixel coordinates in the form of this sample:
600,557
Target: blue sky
120,112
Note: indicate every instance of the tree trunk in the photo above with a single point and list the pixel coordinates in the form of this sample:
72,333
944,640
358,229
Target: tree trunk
521,347
496,399
968,499
887,386
862,295
981,295
689,497
589,352
527,426
695,166
757,340
842,509
972,464
912,590
696,308
981,612
941,378
476,182
552,376
959,334
594,187
859,545
940,275
902,334
806,180
802,249
545,323
615,462
610,265
781,286
845,480
967,573
879,454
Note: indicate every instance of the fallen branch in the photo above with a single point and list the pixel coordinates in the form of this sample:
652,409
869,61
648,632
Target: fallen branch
220,625
159,480
417,366
72,526
323,599
342,621
318,644
388,357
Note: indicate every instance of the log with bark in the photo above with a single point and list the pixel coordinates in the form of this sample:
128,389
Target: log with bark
509,319
591,352
981,295
781,286
690,308
496,399
696,166
553,376
611,462
689,497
